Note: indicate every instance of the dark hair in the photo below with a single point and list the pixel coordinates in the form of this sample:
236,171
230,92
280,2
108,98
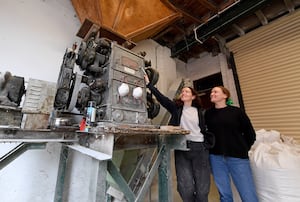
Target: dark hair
195,103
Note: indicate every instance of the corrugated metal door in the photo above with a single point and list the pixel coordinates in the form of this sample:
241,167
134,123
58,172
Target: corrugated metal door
268,67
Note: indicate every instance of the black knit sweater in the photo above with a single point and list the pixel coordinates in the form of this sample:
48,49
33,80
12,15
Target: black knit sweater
234,133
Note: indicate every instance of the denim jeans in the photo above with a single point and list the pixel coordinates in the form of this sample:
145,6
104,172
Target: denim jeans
240,171
193,173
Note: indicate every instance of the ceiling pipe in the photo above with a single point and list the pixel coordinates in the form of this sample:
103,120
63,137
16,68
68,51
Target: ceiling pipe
214,16
216,23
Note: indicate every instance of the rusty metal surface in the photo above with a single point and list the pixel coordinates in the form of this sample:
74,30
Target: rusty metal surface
124,136
144,131
117,130
11,116
35,121
135,136
11,134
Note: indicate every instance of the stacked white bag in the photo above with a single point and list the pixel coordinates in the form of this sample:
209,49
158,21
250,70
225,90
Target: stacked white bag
275,163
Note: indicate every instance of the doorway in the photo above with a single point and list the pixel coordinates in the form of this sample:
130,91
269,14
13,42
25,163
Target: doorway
204,85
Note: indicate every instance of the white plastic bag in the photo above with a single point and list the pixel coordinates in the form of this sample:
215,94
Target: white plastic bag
276,168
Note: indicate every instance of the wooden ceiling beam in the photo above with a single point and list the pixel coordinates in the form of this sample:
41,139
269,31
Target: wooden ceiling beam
238,29
119,14
262,18
209,5
184,12
156,25
215,8
216,24
162,33
290,5
180,29
226,4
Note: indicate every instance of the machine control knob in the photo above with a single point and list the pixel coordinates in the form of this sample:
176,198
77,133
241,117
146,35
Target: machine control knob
117,115
142,118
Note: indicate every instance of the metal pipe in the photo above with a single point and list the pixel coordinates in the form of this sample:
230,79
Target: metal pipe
214,16
217,15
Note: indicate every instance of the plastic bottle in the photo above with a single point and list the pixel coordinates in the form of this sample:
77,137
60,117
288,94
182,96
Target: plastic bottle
91,115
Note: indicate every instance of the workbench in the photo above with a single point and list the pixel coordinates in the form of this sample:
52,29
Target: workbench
100,144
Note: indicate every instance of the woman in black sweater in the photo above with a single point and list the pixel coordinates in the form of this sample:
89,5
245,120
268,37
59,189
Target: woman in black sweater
234,136
192,166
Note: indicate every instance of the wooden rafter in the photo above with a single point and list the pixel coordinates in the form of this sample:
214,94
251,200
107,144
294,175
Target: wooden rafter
160,23
208,5
119,14
99,13
290,5
181,10
226,4
262,18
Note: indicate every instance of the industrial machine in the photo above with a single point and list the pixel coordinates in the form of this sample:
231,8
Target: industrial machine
108,91
112,81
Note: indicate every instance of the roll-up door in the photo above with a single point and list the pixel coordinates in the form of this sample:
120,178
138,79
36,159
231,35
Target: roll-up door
268,68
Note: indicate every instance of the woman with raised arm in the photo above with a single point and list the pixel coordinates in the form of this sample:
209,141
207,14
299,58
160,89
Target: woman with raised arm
192,165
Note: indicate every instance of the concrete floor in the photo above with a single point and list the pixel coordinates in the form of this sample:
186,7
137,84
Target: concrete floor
153,197
212,197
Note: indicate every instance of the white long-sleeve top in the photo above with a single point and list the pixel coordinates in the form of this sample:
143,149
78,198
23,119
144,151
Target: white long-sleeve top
190,121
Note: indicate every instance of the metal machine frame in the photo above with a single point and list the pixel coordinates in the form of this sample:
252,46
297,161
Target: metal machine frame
163,141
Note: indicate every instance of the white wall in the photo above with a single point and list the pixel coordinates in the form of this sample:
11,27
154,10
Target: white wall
161,61
32,176
203,67
34,35
181,69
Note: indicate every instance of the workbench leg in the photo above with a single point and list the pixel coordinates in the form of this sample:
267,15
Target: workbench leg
101,182
165,175
59,189
121,182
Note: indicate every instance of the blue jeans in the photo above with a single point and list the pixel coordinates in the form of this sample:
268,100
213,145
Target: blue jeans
239,169
193,173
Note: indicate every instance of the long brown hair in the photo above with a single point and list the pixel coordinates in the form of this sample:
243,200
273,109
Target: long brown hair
225,91
195,103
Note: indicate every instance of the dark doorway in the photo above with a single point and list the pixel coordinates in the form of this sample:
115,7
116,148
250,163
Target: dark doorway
204,85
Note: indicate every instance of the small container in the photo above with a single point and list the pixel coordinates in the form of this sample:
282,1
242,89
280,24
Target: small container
91,111
90,115
82,124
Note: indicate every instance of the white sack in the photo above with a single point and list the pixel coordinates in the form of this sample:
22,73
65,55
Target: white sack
276,168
